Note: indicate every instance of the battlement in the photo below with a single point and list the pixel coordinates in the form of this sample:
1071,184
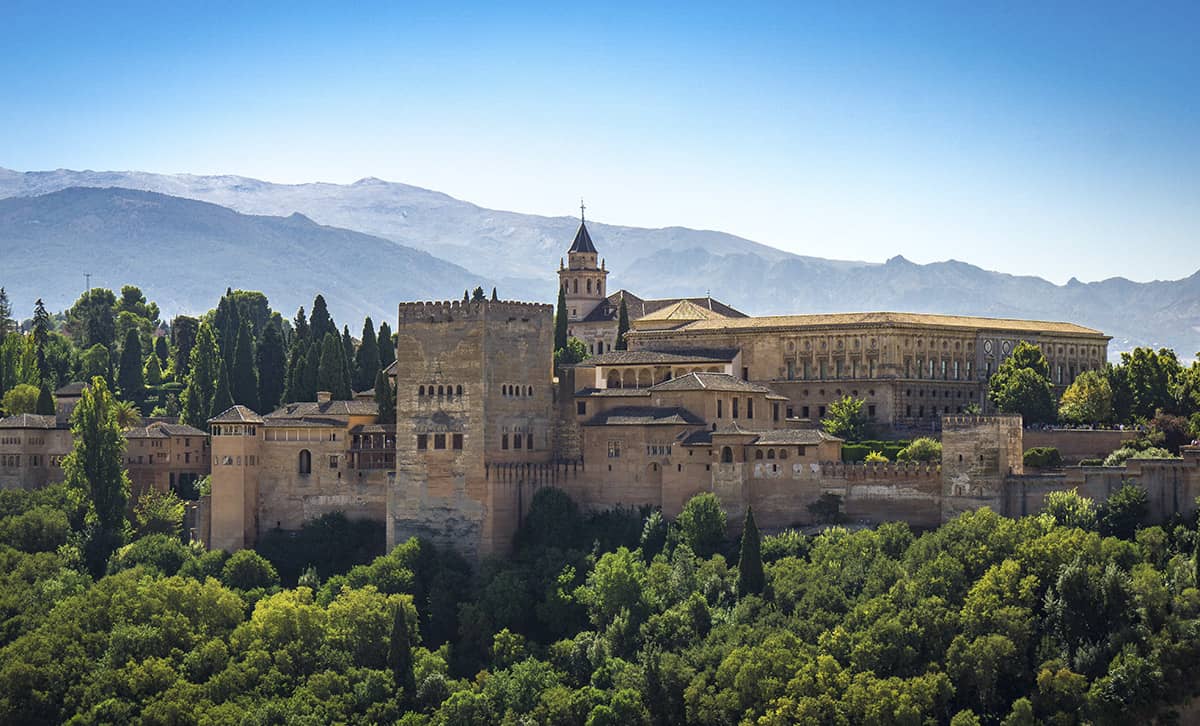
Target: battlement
880,470
444,311
966,421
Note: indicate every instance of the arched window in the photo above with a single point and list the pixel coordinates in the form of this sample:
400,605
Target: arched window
576,287
589,285
305,461
783,453
758,454
441,391
420,390
458,390
529,392
614,379
770,453
726,455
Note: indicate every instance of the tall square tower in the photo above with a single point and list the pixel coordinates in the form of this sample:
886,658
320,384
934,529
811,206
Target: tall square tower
473,390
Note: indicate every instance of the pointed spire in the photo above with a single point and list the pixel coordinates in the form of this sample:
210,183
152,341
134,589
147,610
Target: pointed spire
583,240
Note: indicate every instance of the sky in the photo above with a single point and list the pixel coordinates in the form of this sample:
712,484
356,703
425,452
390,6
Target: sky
1054,139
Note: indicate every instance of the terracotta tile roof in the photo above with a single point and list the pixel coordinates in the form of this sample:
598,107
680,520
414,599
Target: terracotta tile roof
614,392
658,357
682,310
888,319
74,388
28,421
795,436
639,308
161,430
304,423
644,416
374,429
237,414
710,382
357,407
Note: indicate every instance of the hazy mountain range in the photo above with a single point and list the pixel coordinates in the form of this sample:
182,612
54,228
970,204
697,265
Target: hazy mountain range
292,257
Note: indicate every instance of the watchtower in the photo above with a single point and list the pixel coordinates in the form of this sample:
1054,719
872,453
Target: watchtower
978,453
583,281
473,389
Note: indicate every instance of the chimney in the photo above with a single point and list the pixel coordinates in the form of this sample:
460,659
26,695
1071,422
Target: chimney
324,396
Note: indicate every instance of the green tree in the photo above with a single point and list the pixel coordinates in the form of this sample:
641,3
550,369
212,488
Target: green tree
152,372
560,320
331,372
45,402
205,363
622,325
184,330
95,361
243,376
385,398
222,399
1088,400
400,656
827,509
130,379
387,345
42,327
271,367
162,351
477,295
133,301
1022,385
922,449
158,513
1124,511
1071,510
248,570
575,352
95,469
751,579
91,319
702,524
366,358
7,323
348,359
310,374
226,322
22,398
846,419
320,323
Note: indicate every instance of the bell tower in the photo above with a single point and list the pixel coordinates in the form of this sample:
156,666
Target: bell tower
582,280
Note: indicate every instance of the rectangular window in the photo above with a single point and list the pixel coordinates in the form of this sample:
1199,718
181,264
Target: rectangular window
333,461
791,369
804,412
517,441
614,449
439,441
837,368
458,442
735,407
774,411
187,457
503,441
749,408
822,370
581,407
820,412
745,373
720,414
422,442
871,410
799,451
529,441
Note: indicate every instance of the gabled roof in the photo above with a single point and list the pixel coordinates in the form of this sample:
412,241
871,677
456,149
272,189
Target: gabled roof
28,421
237,414
583,240
710,382
302,409
374,429
639,308
161,430
645,415
682,311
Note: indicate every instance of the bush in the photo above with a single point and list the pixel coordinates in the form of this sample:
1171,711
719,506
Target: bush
1125,453
923,449
859,450
1091,462
40,529
165,553
876,457
1043,457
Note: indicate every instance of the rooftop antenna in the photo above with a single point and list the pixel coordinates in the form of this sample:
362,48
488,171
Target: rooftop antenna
87,276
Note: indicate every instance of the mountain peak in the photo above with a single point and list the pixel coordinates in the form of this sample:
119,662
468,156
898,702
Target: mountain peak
898,260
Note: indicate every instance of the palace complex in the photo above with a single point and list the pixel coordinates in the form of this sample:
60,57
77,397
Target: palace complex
705,399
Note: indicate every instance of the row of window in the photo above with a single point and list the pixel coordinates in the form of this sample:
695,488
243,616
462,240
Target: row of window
509,389
933,411
10,440
444,390
237,460
518,440
439,441
658,450
233,430
840,370
573,286
16,441
735,412
305,434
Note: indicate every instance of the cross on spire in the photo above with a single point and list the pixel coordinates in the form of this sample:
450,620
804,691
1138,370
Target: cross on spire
581,208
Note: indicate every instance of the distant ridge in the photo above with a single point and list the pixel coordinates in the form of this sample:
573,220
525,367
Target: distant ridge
520,252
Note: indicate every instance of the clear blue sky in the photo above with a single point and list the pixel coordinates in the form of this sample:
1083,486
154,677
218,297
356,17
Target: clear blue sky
1031,139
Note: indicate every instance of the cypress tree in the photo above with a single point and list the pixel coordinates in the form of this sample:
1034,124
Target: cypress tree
622,326
183,339
96,468
202,378
227,323
152,372
319,322
222,399
160,350
331,373
387,345
270,367
243,377
400,657
750,567
300,325
129,374
294,377
41,336
466,297
560,320
348,358
366,359
45,402
7,323
312,366
385,398
494,298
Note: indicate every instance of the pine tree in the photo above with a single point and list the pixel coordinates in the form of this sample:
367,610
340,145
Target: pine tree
477,294
560,320
320,323
129,374
96,469
750,567
222,399
400,657
270,367
202,378
243,377
387,345
41,336
7,324
45,402
494,298
622,326
348,358
331,371
366,359
385,398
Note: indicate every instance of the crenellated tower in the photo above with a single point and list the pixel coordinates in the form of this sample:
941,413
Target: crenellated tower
582,279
